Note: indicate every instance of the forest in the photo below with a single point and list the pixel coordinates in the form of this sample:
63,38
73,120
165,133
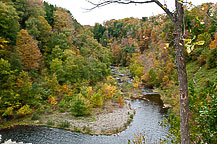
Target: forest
50,62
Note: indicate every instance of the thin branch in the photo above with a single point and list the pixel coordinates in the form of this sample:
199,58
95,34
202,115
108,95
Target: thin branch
107,2
168,12
104,3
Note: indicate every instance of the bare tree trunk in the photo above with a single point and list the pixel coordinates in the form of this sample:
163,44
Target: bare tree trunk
182,74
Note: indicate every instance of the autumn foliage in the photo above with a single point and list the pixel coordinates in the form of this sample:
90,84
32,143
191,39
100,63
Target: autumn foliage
28,50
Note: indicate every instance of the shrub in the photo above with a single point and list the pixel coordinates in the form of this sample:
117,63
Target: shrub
139,72
24,110
136,69
79,108
8,112
62,105
97,99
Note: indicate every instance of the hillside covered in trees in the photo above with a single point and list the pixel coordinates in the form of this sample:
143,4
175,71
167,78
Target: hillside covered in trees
47,60
50,62
146,46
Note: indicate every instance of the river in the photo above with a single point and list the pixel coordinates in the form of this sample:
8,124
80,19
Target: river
146,120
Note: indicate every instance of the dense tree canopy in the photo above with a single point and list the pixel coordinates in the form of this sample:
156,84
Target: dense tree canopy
51,63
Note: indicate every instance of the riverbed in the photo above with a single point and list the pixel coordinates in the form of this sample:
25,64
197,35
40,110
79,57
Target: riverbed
146,121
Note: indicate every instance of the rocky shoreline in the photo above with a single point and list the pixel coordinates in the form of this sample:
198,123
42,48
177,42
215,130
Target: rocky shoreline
105,123
108,123
111,122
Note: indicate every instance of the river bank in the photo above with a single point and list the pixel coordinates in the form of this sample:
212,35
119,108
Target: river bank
108,120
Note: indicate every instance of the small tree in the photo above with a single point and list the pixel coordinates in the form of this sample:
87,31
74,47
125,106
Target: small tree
177,18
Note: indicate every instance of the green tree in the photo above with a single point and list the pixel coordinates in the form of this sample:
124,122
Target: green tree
49,9
32,27
98,31
40,30
45,29
56,66
7,88
27,9
9,24
24,88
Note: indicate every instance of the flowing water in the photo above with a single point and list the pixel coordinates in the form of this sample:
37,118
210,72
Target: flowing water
146,120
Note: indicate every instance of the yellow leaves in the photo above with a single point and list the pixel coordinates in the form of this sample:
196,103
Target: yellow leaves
52,101
166,45
97,99
8,111
190,46
89,90
64,88
3,42
135,85
190,3
136,82
24,110
109,90
109,79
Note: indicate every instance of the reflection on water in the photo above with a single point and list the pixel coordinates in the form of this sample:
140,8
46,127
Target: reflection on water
146,120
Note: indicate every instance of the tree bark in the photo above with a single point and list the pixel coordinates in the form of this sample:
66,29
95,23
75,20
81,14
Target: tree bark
182,74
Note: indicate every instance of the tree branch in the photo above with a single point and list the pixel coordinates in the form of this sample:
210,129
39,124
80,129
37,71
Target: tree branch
168,12
107,2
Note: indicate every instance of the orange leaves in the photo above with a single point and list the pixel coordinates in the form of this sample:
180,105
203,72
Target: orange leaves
29,51
62,20
213,44
120,101
52,101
